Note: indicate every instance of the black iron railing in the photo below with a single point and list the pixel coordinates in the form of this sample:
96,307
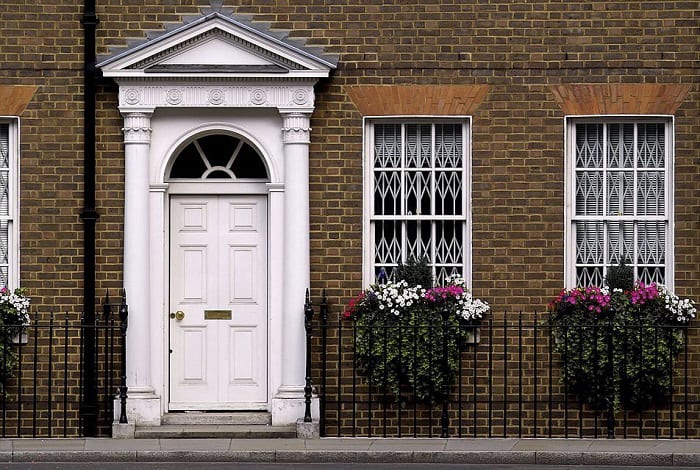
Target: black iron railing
510,383
42,393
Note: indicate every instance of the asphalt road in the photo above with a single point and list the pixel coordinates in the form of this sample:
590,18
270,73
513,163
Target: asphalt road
299,466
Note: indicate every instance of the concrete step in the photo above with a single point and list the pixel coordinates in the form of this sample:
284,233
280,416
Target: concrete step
201,417
215,431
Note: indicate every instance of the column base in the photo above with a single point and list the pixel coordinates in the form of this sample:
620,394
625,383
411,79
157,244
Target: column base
288,410
142,408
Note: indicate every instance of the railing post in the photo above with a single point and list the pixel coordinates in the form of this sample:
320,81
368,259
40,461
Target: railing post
124,319
308,316
445,419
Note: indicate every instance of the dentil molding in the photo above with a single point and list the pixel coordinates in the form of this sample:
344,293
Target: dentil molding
216,96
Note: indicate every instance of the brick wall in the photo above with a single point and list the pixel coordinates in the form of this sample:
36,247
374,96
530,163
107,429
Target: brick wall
518,49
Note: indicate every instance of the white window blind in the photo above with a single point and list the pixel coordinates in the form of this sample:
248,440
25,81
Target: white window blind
621,174
419,187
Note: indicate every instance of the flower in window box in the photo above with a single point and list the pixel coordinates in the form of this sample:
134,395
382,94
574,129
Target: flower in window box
399,336
617,348
14,316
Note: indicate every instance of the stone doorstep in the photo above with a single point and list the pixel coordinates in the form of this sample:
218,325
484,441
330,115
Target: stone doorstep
198,417
214,431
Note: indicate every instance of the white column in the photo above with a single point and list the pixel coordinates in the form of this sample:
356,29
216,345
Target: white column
288,404
137,139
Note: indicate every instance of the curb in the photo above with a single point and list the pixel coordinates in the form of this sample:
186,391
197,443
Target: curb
633,459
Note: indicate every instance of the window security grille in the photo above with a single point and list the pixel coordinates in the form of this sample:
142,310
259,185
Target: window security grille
5,213
621,209
419,187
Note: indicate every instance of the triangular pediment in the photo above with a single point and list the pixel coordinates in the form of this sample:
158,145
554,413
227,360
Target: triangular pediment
216,45
216,51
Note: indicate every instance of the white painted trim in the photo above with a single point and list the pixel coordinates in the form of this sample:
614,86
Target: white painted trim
217,187
281,139
213,128
570,196
670,203
135,95
368,186
13,239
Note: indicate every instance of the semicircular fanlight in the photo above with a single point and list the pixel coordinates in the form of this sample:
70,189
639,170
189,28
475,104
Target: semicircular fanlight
218,156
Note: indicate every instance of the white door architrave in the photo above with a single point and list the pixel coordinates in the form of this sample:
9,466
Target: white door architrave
207,75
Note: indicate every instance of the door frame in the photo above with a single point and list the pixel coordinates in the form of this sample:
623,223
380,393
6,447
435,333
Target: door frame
218,188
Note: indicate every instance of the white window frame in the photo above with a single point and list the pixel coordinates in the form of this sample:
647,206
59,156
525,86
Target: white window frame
13,204
570,122
368,276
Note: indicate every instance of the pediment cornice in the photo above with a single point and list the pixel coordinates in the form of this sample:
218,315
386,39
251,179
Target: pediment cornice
216,46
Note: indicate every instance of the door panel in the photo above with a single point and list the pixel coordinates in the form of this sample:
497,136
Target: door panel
218,279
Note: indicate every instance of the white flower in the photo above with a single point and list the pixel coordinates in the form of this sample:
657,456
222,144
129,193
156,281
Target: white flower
682,310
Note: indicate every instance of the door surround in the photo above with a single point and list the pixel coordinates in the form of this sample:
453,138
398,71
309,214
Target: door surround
174,135
215,71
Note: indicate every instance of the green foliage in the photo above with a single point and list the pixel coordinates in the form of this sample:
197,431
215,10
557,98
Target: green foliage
620,277
416,272
618,349
14,314
403,356
401,332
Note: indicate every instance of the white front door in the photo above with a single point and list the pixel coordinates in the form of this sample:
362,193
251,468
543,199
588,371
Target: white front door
218,302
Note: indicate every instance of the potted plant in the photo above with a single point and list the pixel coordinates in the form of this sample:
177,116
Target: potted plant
14,315
617,344
400,329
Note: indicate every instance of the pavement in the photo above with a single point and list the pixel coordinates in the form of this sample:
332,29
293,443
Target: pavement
616,452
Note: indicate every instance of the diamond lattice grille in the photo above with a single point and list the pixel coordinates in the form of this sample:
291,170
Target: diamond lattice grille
448,146
589,193
620,193
620,199
448,192
387,192
651,193
387,243
589,146
419,191
620,145
387,146
5,198
418,146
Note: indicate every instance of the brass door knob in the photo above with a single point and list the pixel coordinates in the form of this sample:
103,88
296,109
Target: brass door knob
179,315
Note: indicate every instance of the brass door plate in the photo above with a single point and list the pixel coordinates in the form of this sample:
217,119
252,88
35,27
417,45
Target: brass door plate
217,314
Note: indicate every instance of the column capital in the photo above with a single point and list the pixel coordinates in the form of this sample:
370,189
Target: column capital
296,127
137,126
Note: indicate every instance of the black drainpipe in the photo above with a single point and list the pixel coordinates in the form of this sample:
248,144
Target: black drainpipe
89,215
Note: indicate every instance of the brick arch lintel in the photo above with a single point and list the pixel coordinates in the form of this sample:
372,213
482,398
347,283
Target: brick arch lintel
619,98
15,98
417,100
